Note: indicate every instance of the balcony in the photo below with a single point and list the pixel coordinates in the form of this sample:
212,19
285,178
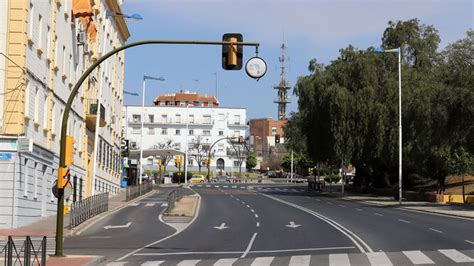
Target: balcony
236,124
91,114
169,121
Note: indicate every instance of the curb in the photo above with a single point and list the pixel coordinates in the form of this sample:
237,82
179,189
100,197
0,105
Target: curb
85,225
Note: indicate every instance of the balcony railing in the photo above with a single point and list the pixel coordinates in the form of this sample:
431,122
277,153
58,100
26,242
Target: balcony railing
171,121
236,124
91,115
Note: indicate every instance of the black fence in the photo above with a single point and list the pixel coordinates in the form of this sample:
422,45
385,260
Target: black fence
138,190
31,252
173,197
88,208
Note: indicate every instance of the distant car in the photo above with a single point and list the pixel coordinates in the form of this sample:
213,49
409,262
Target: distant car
223,178
197,179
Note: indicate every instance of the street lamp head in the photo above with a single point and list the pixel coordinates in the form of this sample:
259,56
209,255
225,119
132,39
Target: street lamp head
135,16
378,50
153,78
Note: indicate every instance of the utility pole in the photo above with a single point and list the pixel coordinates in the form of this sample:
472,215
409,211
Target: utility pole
291,175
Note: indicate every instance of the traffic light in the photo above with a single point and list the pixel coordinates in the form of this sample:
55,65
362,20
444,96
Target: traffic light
69,151
125,148
232,54
277,138
63,177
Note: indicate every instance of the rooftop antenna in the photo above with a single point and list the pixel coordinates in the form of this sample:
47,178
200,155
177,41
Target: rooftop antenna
283,86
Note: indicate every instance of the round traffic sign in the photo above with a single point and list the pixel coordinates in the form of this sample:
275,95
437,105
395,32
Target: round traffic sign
256,67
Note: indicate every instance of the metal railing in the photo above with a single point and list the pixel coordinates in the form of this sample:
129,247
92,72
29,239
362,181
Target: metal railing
27,254
173,197
138,190
88,208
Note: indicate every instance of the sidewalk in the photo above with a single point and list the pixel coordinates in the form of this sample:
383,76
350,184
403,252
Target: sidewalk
466,211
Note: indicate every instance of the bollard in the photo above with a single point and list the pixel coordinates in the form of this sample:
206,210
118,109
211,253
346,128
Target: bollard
43,251
10,251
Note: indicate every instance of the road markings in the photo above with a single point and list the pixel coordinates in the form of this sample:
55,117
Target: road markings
216,186
358,209
470,242
249,245
153,263
378,214
150,204
339,260
134,204
455,255
100,237
188,262
340,205
379,259
231,196
208,186
164,205
328,202
300,260
234,186
225,262
221,227
308,197
404,221
243,202
417,257
242,187
225,186
317,199
293,225
262,261
258,224
252,210
298,250
237,199
118,226
435,230
248,206
116,263
256,215
349,234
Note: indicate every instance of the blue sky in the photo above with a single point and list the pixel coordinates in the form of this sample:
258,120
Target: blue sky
311,29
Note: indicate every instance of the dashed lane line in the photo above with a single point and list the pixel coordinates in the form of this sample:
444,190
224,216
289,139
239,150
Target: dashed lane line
378,214
404,221
435,230
256,215
249,245
258,225
470,242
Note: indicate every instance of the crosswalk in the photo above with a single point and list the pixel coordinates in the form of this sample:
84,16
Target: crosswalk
257,188
413,257
149,204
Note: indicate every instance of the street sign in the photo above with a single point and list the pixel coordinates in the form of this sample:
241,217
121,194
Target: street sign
67,189
6,156
25,145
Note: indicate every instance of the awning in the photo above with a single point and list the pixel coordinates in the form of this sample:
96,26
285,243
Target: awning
82,8
135,154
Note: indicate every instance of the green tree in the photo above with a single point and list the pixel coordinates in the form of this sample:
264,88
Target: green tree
251,161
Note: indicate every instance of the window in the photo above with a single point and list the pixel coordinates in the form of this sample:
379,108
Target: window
220,147
164,118
191,132
56,43
32,15
63,66
191,119
27,98
71,68
25,178
236,164
274,131
164,131
206,119
178,132
37,104
40,31
178,119
190,162
48,42
236,119
221,117
35,179
150,160
206,132
151,131
236,133
136,118
45,112
151,118
53,117
221,132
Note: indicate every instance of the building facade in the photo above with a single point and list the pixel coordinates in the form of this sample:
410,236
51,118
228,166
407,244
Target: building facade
176,126
46,46
264,133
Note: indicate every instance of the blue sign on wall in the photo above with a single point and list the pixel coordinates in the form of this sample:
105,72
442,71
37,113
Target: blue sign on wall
5,156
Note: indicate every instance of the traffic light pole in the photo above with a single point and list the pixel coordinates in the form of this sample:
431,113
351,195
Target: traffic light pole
67,110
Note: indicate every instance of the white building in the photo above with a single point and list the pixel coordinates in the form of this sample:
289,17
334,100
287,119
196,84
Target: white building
46,46
179,125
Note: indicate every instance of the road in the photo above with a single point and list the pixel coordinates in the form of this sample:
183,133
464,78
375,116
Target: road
280,224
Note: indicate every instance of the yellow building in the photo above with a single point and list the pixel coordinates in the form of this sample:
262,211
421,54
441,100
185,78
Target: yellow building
45,46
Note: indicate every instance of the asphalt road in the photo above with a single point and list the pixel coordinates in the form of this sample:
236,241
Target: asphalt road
281,225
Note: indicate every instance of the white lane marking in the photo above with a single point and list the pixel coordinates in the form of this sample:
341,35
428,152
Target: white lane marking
242,187
249,245
418,257
221,227
232,196
237,199
300,260
403,221
358,209
225,262
455,255
470,242
152,263
243,202
252,210
115,263
234,186
328,202
378,259
100,237
164,204
188,253
225,186
248,206
256,215
351,235
134,204
258,224
188,262
292,225
118,226
150,204
308,197
208,185
340,205
216,186
435,230
199,185
299,250
317,199
262,261
378,214
339,260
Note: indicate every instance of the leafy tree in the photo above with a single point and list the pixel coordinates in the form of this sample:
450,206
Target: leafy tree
251,161
199,151
461,163
239,153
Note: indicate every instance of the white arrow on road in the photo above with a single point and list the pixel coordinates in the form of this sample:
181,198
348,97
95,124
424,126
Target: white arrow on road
221,227
118,226
292,225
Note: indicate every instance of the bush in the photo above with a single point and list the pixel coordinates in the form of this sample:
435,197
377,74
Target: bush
332,178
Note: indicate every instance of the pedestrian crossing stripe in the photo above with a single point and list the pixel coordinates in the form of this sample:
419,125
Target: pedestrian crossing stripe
416,257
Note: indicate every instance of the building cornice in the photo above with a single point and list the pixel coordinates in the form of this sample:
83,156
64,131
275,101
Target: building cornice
119,21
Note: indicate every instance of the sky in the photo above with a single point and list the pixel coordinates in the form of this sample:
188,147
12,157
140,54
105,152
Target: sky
310,29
